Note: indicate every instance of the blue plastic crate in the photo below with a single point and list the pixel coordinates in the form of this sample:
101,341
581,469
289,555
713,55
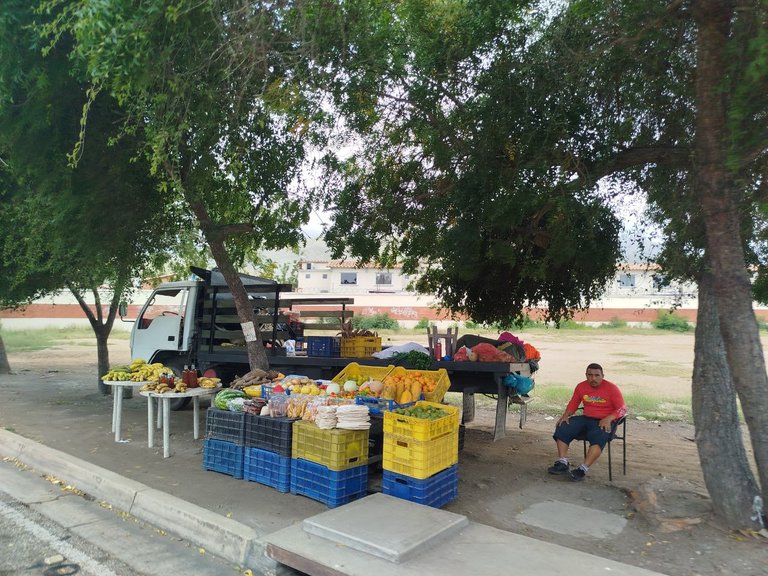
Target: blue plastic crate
327,486
328,346
222,456
379,405
435,491
225,425
268,468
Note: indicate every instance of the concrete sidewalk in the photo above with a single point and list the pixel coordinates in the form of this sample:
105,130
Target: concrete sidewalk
470,548
60,425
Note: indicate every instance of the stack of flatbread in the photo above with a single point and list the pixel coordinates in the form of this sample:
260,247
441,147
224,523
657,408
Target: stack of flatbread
353,417
326,417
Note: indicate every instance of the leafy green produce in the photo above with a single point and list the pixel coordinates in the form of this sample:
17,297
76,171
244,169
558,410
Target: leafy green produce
414,358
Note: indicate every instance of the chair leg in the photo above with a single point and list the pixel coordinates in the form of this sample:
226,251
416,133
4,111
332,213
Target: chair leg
610,467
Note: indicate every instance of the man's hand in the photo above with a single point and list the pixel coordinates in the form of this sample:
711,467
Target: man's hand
606,422
564,419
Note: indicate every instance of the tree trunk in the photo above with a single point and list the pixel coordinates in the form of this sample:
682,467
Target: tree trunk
715,186
102,327
724,461
102,354
257,355
5,367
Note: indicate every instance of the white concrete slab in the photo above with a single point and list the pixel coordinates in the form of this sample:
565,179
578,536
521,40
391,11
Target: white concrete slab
477,550
572,519
390,528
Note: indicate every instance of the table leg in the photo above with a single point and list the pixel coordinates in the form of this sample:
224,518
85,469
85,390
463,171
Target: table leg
166,427
196,422
150,422
159,413
500,429
118,407
114,407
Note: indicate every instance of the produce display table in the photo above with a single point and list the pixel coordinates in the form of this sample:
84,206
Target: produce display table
164,401
117,403
469,378
472,378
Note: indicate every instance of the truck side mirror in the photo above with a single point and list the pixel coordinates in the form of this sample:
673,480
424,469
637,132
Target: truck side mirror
122,309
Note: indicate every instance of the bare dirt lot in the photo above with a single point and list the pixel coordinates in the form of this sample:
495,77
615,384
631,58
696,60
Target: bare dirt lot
663,499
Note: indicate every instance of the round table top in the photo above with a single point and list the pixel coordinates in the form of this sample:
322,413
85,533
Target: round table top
126,382
200,391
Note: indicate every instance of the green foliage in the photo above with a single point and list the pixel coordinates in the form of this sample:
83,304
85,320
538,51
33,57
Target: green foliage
472,325
455,176
78,227
671,321
413,359
571,324
375,322
614,322
423,324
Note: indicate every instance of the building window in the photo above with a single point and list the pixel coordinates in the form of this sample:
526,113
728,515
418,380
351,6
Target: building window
309,265
383,278
627,280
349,277
325,276
307,275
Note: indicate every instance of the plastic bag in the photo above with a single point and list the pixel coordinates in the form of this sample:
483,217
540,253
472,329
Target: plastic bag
461,355
489,353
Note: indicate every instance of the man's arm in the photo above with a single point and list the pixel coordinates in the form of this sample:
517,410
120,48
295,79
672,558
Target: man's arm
572,406
566,415
621,410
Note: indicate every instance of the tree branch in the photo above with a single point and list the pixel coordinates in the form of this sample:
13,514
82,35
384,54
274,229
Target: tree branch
671,156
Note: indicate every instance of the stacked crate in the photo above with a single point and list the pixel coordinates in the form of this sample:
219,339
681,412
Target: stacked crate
420,458
268,451
330,466
223,449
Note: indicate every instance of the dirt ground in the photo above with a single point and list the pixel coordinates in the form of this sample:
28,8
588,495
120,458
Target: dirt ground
663,498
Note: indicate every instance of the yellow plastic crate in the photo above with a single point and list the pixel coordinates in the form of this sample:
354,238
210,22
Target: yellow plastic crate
353,369
420,459
335,449
439,377
360,346
420,428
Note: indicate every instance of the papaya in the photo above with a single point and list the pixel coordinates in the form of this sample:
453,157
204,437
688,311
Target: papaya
405,397
415,389
388,392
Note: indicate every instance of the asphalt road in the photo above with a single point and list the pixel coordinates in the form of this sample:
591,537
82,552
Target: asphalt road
47,529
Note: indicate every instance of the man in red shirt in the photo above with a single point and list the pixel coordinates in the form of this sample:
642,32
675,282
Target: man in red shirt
603,407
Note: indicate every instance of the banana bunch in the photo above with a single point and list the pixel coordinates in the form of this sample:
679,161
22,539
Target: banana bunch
118,374
179,386
147,372
206,382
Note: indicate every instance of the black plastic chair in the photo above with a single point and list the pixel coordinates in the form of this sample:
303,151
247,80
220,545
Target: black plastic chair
619,433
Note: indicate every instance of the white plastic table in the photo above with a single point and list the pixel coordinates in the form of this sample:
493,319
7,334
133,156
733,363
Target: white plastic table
117,403
164,401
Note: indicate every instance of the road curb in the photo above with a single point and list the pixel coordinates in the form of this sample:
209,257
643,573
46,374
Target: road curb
224,537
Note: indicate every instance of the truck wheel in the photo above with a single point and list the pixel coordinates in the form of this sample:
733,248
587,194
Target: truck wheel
179,403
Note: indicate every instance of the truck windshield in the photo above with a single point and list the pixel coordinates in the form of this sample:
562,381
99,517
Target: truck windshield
163,303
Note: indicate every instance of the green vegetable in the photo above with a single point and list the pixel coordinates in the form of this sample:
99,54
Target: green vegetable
423,412
220,401
414,358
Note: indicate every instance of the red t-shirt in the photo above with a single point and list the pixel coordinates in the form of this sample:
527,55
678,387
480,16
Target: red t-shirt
598,402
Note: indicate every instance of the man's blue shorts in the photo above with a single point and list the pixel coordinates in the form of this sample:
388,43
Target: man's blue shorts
578,425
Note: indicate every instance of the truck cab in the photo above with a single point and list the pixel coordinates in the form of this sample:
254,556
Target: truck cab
163,331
